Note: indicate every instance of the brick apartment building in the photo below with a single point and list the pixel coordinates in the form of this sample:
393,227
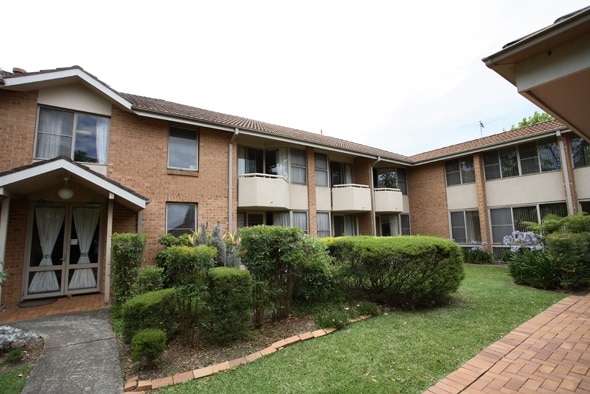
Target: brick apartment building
80,161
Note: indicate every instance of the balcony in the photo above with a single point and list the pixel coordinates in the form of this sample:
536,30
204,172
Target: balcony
388,200
263,191
351,198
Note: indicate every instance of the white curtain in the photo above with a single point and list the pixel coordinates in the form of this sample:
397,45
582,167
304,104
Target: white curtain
323,221
280,218
55,133
49,222
300,220
394,224
102,139
282,163
85,221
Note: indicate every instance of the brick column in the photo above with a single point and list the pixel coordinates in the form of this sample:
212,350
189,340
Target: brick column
482,201
567,167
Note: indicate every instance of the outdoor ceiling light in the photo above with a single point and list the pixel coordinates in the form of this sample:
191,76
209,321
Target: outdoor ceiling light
65,193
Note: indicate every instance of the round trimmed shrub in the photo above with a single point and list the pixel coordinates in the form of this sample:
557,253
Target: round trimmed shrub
148,345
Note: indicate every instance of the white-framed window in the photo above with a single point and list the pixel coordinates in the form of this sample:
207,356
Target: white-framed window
80,136
273,161
341,173
300,221
323,224
529,158
321,170
580,151
460,171
388,225
345,225
465,227
183,149
585,206
181,218
405,224
506,220
390,177
298,166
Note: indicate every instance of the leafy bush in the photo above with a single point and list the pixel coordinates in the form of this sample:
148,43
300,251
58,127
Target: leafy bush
127,256
408,271
366,308
218,243
334,318
148,345
534,268
156,309
571,254
477,254
149,278
229,303
316,280
184,264
14,356
273,255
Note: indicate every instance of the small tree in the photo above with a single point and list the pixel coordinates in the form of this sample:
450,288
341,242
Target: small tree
532,120
127,256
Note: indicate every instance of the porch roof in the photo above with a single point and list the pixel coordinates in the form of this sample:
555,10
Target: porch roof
22,181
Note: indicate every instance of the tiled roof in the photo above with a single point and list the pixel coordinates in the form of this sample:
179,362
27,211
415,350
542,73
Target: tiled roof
181,111
539,129
217,118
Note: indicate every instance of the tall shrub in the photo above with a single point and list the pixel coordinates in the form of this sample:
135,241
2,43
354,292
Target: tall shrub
229,303
410,271
185,264
155,309
272,254
571,254
127,256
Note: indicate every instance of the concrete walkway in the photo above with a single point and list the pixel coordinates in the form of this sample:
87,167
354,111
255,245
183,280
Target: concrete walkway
80,354
548,354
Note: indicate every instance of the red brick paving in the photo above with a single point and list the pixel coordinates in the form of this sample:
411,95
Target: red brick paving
547,354
60,306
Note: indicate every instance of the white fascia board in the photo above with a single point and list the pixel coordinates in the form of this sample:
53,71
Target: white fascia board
55,76
175,119
75,170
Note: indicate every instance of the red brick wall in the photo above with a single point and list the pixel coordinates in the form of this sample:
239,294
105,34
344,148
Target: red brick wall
15,249
144,169
18,114
362,176
427,194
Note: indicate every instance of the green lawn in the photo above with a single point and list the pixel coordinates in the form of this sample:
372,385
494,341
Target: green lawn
400,352
13,381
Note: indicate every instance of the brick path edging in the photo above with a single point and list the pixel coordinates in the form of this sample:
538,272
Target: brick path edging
134,385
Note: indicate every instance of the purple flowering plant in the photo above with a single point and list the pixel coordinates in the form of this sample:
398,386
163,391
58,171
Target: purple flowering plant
523,240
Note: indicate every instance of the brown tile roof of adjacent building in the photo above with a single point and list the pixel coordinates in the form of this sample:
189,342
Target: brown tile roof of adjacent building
217,118
489,142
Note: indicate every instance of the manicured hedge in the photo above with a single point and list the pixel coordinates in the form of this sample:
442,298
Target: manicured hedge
127,256
156,309
230,303
409,271
185,264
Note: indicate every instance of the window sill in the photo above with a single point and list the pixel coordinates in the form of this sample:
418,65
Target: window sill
194,173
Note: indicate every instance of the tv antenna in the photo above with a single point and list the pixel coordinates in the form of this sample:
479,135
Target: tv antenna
483,123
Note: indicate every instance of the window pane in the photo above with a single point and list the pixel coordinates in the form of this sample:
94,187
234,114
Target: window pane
323,223
458,227
580,151
472,226
298,166
182,149
181,218
453,173
402,183
522,215
300,221
549,156
585,206
405,219
501,220
385,178
54,133
529,162
559,209
321,169
491,165
92,133
467,170
508,162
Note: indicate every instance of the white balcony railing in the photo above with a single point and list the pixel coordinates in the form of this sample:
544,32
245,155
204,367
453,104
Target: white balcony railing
263,191
388,200
351,198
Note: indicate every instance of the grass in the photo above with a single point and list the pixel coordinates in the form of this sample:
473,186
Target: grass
399,352
13,380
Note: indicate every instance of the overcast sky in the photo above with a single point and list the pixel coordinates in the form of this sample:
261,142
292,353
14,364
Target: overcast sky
407,77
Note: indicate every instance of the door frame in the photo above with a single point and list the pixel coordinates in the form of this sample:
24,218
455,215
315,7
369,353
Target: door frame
66,265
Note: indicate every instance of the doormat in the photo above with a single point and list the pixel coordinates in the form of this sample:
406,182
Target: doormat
33,303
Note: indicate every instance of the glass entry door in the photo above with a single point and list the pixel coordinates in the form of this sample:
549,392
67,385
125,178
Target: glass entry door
65,251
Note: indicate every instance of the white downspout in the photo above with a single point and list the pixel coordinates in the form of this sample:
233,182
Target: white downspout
230,185
109,241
